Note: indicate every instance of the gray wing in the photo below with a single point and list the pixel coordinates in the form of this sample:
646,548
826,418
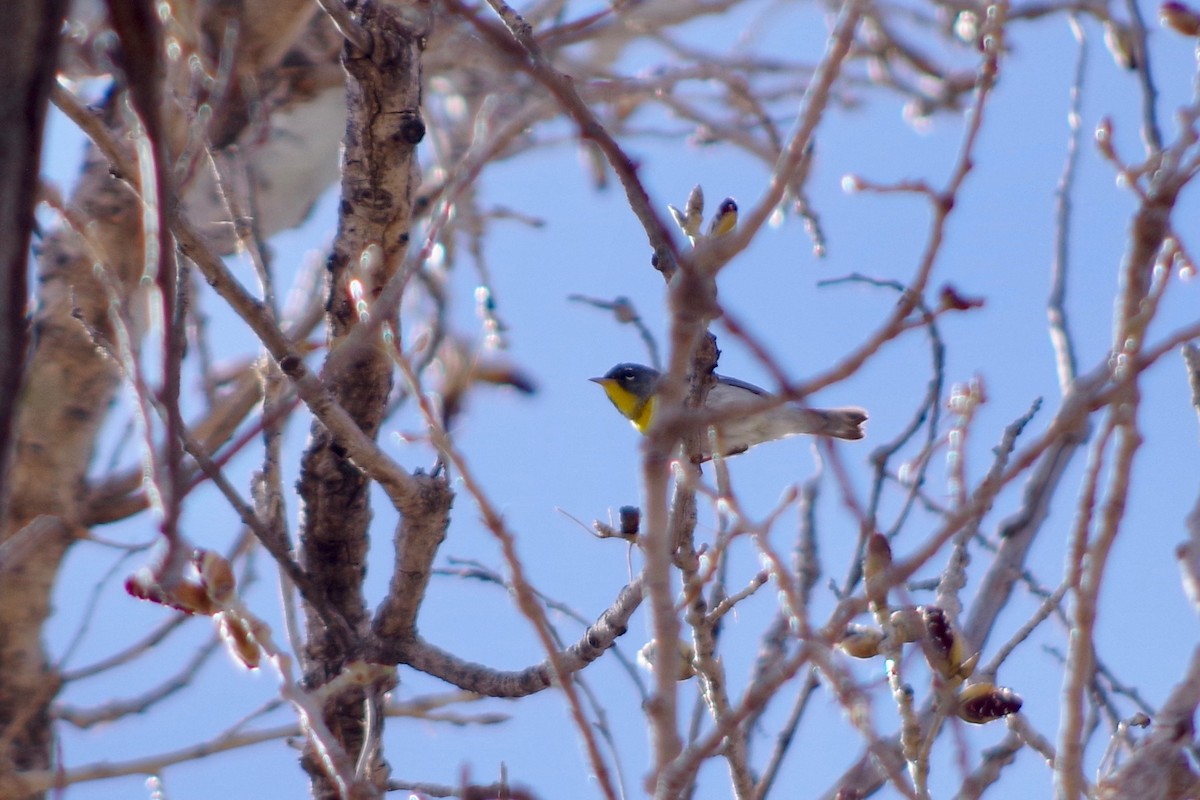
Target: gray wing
750,387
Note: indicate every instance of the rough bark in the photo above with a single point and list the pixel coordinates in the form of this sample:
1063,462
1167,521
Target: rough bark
27,72
70,382
68,388
379,179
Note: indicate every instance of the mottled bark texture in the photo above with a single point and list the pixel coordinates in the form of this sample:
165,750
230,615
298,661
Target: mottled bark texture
27,73
379,179
69,381
424,518
68,388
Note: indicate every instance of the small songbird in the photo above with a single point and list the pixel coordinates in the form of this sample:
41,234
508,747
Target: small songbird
633,389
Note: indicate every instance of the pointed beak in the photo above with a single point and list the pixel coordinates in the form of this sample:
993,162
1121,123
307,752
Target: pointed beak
600,381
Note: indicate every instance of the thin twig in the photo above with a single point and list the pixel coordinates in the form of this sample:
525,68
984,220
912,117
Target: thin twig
347,25
1056,310
36,781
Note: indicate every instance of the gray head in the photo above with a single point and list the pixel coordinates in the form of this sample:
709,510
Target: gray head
637,379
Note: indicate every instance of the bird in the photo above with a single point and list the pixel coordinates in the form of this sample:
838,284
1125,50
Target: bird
633,389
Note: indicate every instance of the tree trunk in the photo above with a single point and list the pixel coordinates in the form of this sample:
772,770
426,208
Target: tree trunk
379,179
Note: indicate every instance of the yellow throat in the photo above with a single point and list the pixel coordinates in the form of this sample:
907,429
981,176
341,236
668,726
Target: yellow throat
638,411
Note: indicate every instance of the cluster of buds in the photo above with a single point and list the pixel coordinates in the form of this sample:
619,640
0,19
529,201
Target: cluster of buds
982,702
630,522
965,398
210,594
864,641
946,652
1180,18
944,648
951,299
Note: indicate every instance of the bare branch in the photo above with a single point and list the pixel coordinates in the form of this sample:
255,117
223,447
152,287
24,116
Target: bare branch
347,25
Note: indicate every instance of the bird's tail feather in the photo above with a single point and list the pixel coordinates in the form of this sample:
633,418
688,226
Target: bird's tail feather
840,423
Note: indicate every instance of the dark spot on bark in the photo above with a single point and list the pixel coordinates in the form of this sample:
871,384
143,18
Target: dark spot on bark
289,364
412,128
80,413
373,199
